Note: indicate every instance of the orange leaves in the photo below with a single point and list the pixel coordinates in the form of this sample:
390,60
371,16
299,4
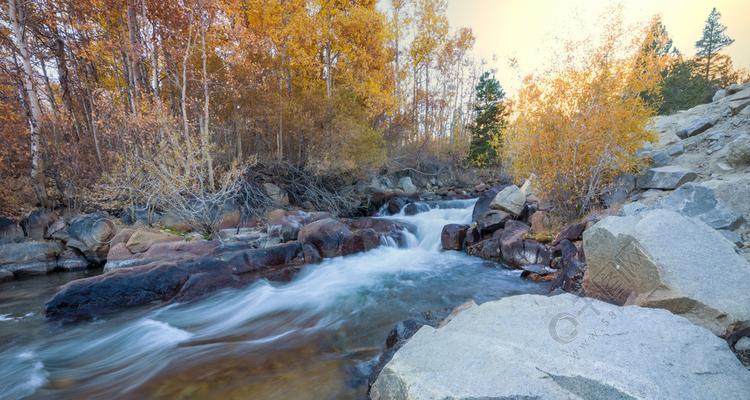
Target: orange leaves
580,126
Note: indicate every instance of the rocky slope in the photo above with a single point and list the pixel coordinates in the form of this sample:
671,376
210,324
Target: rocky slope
676,238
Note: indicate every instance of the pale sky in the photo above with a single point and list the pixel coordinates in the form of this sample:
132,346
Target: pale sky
526,29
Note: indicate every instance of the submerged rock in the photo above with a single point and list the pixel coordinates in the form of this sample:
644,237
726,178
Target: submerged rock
662,259
562,347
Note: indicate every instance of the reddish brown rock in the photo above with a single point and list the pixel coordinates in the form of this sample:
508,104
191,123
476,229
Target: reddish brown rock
453,236
571,232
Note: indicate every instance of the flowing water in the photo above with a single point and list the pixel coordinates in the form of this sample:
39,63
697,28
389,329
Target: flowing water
316,337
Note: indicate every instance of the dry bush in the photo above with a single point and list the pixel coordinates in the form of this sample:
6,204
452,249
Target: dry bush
580,126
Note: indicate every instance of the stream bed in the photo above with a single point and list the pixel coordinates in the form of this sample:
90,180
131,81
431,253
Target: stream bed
316,337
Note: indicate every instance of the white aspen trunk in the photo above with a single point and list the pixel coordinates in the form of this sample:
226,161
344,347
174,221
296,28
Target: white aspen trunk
183,106
37,162
205,136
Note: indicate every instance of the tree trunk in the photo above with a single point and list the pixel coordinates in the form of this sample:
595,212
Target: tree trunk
205,136
37,163
183,107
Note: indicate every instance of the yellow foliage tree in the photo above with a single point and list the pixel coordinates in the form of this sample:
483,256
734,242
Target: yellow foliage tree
578,127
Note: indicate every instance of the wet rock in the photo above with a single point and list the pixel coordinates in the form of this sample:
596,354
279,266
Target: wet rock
396,204
453,236
35,223
90,234
662,259
311,254
165,280
665,178
510,200
696,126
539,347
492,220
142,239
571,267
326,235
538,272
361,240
416,208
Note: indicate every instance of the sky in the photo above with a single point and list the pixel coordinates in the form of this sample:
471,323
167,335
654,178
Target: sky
530,30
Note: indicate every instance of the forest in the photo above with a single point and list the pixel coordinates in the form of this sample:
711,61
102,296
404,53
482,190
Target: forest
102,98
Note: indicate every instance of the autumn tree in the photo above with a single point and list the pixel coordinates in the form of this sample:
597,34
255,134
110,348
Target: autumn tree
488,120
579,126
713,40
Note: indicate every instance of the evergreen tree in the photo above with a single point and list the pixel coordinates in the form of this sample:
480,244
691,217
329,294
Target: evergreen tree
488,119
683,88
714,39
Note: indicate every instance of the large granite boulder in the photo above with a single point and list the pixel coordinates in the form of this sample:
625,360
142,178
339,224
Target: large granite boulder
695,200
562,347
511,199
666,178
662,259
90,234
120,256
738,152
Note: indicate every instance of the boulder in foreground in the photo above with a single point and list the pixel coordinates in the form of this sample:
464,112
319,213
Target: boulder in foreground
538,347
662,259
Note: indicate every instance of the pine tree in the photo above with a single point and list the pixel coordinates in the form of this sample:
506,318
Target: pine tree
488,122
714,39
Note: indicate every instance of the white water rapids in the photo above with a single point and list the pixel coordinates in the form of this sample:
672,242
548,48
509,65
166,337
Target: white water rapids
314,337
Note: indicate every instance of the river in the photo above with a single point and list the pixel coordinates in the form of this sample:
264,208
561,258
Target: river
316,337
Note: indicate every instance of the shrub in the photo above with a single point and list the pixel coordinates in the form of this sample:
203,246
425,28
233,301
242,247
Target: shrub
579,126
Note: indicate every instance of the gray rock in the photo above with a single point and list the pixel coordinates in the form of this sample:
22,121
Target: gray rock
278,196
30,258
35,224
695,200
619,190
738,153
676,149
720,94
562,347
696,126
633,208
733,192
406,185
89,234
511,199
10,231
735,106
734,88
662,259
492,220
667,178
732,237
5,275
743,344
660,158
